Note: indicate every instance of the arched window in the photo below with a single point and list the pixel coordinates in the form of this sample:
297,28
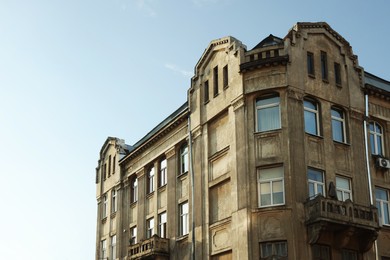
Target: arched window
376,138
338,125
311,114
184,158
268,113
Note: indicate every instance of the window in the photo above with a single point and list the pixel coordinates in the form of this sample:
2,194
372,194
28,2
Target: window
382,203
316,182
337,73
268,113
162,225
113,165
376,138
206,92
150,180
184,158
183,219
271,186
321,252
149,228
134,190
133,235
109,166
343,188
103,249
225,77
105,171
349,255
338,125
324,66
163,173
274,250
104,207
215,77
311,114
114,202
310,63
113,247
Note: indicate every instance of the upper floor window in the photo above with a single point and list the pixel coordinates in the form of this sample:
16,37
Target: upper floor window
149,228
133,235
163,173
150,180
225,77
274,250
324,65
109,165
343,188
270,183
184,158
162,225
113,164
316,182
337,73
104,206
268,113
310,63
103,249
338,125
206,92
114,202
113,247
376,138
183,219
382,203
311,114
215,76
134,190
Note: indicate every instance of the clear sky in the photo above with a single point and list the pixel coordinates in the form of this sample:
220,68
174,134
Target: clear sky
73,72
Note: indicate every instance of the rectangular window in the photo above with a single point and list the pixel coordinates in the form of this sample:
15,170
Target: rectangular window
206,92
162,225
134,190
163,173
321,252
337,73
382,203
215,77
183,219
274,250
150,180
184,158
376,138
310,63
324,66
114,202
133,235
113,247
270,183
349,255
105,171
343,188
104,207
316,183
311,114
113,165
109,165
149,228
103,249
225,77
338,125
268,113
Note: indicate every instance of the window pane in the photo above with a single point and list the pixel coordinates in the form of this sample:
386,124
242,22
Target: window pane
265,188
315,175
268,118
381,194
271,173
337,129
386,216
267,101
265,199
342,183
310,123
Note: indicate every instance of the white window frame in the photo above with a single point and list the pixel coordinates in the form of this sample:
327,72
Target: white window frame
270,181
340,120
149,227
150,175
113,247
316,183
103,249
376,135
162,224
341,192
183,219
163,172
380,203
134,190
261,107
184,158
104,206
133,235
313,111
114,201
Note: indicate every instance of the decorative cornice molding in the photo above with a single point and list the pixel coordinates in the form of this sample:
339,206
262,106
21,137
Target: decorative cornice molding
238,102
171,152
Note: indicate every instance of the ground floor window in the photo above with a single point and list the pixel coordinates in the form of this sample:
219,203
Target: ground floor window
276,250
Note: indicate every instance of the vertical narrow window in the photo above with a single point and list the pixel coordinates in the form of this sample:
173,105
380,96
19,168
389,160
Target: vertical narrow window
133,235
311,114
270,183
376,138
114,202
149,228
268,113
104,207
225,77
324,66
382,203
183,219
337,73
206,92
321,252
310,63
343,188
162,225
105,171
134,190
274,250
338,125
103,249
150,180
113,164
109,166
113,247
316,183
184,158
163,173
215,77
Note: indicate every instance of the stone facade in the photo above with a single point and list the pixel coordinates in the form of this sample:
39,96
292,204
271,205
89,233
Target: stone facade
281,150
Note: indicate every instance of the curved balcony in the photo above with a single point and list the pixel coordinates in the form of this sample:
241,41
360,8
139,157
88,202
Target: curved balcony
152,248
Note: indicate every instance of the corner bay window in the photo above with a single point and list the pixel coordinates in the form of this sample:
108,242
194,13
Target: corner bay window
268,113
382,203
376,138
316,183
274,250
338,125
311,114
270,183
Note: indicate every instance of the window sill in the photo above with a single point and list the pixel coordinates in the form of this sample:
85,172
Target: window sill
337,143
311,76
339,85
133,204
325,81
206,102
182,238
268,132
104,220
113,215
182,175
271,208
149,195
162,188
314,136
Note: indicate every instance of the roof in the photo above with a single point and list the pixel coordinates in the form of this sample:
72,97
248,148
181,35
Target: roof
271,40
377,82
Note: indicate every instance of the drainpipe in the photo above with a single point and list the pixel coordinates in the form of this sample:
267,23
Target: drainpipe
368,163
192,188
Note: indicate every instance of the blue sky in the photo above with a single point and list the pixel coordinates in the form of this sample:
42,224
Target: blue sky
74,72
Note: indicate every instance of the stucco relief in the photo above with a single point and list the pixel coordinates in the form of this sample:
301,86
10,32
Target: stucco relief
268,146
221,238
270,228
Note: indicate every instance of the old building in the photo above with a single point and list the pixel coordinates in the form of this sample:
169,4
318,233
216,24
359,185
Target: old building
280,152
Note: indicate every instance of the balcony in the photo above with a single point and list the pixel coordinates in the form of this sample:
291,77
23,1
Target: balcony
152,248
341,224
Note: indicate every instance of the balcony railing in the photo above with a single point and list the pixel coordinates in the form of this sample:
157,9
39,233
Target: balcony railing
154,246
